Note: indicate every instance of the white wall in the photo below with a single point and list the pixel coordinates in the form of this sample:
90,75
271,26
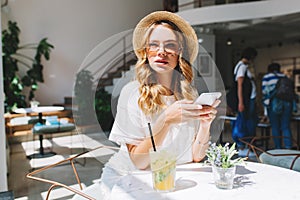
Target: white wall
207,47
266,55
74,27
3,166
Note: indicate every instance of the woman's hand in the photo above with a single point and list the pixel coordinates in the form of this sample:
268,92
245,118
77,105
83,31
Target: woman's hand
200,145
184,110
208,114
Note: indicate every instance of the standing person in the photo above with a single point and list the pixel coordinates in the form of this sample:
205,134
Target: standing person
279,111
246,122
162,95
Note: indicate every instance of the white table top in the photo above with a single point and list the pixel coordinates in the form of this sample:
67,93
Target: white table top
39,109
195,181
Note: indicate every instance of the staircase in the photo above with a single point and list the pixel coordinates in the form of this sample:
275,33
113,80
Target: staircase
110,60
108,64
112,77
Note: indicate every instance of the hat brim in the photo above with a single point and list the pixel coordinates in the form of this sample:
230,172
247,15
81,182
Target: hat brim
187,31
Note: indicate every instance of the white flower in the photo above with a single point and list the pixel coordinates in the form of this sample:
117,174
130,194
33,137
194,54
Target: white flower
221,156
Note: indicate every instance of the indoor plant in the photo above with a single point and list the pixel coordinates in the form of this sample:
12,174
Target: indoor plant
16,57
223,164
90,99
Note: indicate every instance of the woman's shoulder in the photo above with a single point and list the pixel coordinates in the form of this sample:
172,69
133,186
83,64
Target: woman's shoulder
130,88
129,93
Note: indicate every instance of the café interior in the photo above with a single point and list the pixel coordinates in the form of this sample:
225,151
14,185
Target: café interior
93,39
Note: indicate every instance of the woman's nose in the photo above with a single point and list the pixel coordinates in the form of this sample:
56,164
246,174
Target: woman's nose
161,50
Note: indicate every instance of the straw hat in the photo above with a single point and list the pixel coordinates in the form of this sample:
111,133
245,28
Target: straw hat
188,32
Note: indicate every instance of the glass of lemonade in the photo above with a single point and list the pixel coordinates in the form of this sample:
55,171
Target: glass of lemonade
163,167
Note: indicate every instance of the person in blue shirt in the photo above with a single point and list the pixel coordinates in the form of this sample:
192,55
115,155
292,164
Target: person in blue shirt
279,118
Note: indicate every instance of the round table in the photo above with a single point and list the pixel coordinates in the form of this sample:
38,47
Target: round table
195,181
40,110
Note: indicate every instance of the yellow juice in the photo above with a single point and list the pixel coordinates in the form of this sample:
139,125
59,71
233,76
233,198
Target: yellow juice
164,180
163,172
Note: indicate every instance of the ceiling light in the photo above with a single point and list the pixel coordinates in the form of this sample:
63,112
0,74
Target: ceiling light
229,42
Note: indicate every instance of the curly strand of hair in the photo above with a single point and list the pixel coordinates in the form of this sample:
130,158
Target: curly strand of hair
186,69
142,72
150,101
188,92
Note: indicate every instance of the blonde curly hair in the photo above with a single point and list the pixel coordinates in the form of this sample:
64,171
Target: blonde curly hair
150,91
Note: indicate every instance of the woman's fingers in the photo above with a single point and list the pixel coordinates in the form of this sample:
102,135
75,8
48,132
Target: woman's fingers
216,103
185,109
198,113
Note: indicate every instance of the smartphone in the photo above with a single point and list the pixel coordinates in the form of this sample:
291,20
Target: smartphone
208,98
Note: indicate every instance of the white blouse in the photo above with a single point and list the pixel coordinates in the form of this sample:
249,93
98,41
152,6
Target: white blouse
131,127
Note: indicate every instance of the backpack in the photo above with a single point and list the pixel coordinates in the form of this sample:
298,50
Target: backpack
284,89
232,96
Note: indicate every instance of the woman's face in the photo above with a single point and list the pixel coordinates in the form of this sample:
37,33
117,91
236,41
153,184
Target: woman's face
162,49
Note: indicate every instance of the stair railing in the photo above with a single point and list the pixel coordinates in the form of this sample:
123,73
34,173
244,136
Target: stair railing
102,60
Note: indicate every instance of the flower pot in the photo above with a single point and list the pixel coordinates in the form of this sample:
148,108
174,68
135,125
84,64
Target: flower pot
223,177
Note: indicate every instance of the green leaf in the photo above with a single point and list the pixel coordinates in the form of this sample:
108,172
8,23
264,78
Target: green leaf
13,60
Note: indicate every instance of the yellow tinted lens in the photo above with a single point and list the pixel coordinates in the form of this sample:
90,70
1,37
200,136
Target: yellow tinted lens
169,47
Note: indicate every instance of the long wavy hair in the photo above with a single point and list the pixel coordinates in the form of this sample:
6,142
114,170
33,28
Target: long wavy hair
150,90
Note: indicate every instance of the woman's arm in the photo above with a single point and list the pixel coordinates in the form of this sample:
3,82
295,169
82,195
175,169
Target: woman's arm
139,154
201,141
201,144
178,112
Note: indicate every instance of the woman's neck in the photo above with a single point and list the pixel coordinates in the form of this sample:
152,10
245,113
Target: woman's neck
165,80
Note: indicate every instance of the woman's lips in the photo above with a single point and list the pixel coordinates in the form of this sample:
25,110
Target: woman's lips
160,61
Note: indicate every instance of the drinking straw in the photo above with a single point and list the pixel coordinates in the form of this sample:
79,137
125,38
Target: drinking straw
152,140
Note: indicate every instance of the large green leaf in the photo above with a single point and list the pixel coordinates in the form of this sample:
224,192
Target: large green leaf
13,58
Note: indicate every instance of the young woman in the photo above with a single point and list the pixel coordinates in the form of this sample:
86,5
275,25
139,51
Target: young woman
163,96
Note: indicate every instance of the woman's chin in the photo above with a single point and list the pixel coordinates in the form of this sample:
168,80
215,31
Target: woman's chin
162,68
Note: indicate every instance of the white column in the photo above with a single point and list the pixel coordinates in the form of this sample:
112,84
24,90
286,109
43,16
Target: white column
3,166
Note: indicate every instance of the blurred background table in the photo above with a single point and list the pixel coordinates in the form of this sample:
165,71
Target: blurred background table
40,110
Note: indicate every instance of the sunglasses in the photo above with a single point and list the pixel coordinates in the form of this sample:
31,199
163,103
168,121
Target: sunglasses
168,47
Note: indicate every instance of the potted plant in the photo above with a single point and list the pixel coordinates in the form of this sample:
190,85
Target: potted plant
83,98
92,99
223,164
103,109
14,56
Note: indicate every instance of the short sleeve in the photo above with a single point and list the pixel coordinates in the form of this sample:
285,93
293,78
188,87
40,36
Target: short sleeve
130,124
241,71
